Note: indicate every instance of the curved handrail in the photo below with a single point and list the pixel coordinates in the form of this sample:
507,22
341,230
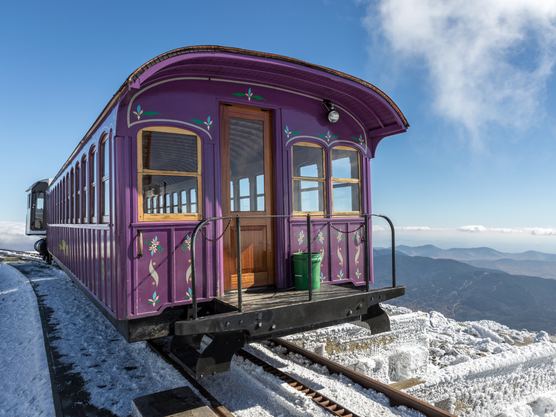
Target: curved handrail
309,268
393,246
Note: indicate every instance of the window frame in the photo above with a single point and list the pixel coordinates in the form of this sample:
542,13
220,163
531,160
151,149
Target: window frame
93,192
162,215
77,212
345,181
67,199
84,188
322,179
105,141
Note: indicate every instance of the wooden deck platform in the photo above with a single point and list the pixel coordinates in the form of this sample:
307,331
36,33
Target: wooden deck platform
270,297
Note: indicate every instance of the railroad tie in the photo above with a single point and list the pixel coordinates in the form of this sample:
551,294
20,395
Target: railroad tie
325,402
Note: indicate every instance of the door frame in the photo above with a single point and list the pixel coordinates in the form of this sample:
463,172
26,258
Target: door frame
229,261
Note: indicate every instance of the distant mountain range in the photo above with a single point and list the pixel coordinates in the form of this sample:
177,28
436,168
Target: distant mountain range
463,254
466,292
532,263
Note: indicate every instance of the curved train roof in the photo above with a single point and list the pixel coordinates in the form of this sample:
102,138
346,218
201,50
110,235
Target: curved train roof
379,114
271,68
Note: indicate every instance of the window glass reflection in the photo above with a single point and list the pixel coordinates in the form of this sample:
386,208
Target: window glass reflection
246,165
345,164
169,194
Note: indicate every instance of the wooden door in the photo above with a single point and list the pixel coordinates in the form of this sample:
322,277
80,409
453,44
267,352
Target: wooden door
247,191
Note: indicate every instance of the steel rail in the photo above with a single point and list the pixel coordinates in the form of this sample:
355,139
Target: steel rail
329,404
396,397
21,254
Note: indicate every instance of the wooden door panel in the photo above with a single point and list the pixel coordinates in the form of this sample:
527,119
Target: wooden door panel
254,248
242,195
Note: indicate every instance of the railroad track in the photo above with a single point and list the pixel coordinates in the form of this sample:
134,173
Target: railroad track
28,256
184,366
397,398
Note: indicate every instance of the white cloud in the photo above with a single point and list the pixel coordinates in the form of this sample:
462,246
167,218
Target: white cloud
488,60
534,231
12,236
416,229
538,231
473,229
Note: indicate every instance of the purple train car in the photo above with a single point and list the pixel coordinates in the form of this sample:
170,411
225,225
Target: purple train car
207,149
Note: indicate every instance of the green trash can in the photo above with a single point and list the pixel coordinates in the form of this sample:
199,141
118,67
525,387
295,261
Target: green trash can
301,273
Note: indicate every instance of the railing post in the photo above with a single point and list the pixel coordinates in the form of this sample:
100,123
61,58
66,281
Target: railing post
239,284
393,254
194,269
367,257
393,246
309,257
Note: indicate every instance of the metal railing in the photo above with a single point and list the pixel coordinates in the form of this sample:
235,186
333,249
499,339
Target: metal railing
238,218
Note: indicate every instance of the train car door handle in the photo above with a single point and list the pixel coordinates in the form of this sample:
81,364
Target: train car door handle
140,251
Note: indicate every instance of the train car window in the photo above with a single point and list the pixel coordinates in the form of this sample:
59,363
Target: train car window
84,186
175,203
346,184
67,199
308,175
247,162
259,192
37,211
169,174
56,205
192,201
105,180
63,199
71,197
77,194
93,186
244,195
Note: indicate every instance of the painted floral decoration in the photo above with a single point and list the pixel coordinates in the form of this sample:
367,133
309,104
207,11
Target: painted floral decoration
358,274
301,237
340,275
328,136
357,236
208,123
339,235
140,113
188,295
288,133
187,245
359,139
320,236
154,246
249,95
154,300
322,277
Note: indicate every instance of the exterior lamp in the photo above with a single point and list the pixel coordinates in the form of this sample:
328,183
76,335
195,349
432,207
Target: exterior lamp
333,115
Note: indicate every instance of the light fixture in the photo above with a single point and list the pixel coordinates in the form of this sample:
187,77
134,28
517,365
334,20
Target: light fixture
333,115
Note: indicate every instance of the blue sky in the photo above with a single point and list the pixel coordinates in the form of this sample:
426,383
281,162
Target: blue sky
476,167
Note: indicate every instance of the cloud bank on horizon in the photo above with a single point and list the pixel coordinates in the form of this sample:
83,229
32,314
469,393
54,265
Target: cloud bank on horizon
12,236
488,60
517,239
535,231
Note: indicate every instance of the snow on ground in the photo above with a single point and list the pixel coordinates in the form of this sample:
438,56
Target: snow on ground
115,371
472,369
26,389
